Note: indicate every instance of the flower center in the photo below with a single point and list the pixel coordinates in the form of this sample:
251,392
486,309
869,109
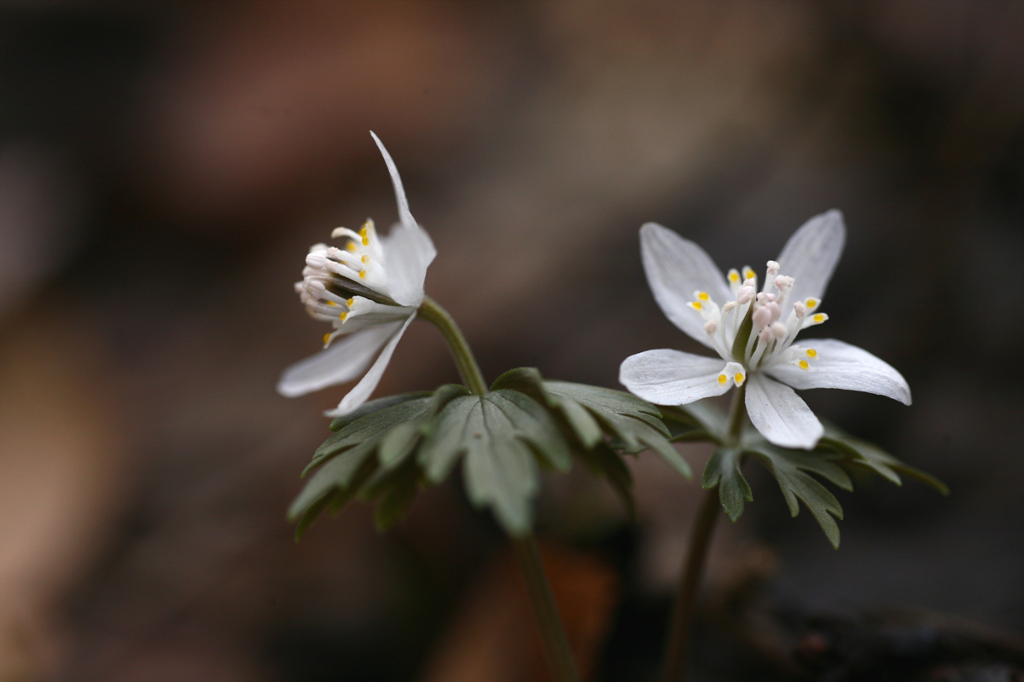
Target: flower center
341,284
757,329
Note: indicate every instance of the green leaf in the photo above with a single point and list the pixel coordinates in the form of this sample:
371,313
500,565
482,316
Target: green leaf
370,427
701,420
397,497
498,434
634,422
603,460
401,440
868,455
337,475
372,406
791,467
528,380
536,426
723,470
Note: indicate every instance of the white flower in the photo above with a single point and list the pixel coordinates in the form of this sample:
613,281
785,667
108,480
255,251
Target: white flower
753,332
368,290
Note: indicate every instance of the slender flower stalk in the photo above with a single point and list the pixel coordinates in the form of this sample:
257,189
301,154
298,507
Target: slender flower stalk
461,352
696,558
545,611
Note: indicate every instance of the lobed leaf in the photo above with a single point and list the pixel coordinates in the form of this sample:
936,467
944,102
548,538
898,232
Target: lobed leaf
867,455
723,470
792,469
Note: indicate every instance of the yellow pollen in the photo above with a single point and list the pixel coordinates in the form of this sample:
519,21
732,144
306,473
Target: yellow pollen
722,378
351,246
703,295
739,377
343,316
749,274
811,353
803,364
331,303
362,274
366,259
349,302
734,277
363,232
819,318
327,337
811,303
696,305
366,241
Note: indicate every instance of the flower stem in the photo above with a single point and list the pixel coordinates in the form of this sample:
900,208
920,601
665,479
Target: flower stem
431,312
545,611
693,569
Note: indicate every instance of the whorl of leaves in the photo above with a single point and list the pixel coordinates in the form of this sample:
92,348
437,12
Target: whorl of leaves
391,447
836,456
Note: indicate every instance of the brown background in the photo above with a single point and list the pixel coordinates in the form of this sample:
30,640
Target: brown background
164,167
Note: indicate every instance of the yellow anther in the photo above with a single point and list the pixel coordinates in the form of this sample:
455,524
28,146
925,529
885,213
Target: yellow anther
327,338
738,378
351,246
331,303
362,274
343,316
811,353
811,303
366,241
748,274
365,230
722,378
734,277
819,318
349,302
703,296
365,259
696,305
803,364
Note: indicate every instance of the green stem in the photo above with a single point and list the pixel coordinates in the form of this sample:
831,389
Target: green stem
556,646
431,312
737,414
696,557
545,611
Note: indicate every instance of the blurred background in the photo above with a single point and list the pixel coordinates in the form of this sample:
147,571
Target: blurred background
165,166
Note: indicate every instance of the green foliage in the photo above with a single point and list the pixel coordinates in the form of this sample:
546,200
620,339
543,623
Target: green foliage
797,471
390,447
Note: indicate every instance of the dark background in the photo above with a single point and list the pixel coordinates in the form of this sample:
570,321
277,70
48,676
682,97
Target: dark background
164,167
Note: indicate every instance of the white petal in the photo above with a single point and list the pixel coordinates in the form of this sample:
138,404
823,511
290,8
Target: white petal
780,414
672,377
409,252
409,248
361,391
675,268
811,254
840,365
403,204
343,361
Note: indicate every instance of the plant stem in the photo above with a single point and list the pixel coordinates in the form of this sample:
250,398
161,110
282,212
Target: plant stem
545,611
431,312
556,646
693,569
737,414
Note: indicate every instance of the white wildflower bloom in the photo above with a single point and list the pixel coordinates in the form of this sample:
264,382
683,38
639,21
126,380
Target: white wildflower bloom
754,332
369,290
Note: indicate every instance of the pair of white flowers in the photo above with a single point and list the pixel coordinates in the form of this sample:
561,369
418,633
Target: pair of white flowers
371,288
